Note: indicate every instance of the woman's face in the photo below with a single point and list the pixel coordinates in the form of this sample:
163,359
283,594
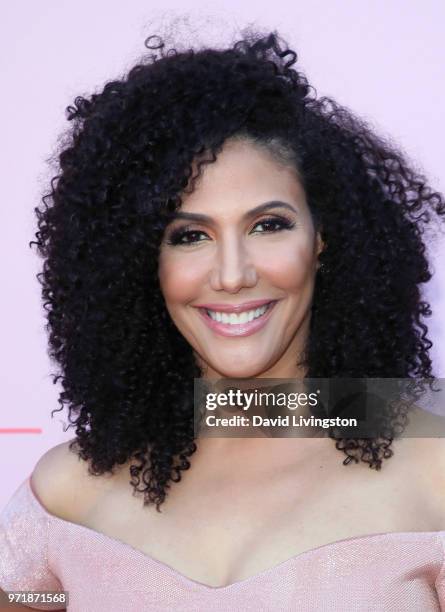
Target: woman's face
231,254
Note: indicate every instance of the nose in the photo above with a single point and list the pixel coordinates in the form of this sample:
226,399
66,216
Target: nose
233,268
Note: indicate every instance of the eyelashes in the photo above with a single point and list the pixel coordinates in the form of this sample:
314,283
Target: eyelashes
177,236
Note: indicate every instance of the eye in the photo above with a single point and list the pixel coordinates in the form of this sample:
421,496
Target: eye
279,224
177,236
184,236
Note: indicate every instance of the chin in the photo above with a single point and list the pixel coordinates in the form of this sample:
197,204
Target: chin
238,372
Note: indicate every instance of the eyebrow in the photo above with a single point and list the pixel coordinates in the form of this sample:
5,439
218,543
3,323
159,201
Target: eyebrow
248,215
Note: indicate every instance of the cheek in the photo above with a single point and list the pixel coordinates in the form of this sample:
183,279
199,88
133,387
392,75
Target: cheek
289,265
179,278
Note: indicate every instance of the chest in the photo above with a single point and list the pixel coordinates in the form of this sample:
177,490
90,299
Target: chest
224,530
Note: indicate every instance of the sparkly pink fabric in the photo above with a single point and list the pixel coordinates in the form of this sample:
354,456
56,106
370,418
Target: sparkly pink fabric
387,572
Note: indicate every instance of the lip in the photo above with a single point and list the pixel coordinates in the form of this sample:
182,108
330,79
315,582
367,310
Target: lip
242,329
235,308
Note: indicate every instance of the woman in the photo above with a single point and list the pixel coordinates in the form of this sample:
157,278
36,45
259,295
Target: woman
207,182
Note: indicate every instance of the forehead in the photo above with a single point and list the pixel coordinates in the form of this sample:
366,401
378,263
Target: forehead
244,174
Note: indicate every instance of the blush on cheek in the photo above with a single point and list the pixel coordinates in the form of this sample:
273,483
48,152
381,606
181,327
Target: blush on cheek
180,283
191,268
289,268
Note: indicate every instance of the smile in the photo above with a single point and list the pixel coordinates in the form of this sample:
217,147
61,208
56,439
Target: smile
242,324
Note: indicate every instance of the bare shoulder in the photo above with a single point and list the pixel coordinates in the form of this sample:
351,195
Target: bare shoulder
433,464
425,424
422,452
63,484
423,440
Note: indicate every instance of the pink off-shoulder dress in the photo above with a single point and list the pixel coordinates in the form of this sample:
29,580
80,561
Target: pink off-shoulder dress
385,572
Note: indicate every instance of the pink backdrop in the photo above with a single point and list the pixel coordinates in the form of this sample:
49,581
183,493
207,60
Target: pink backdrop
384,59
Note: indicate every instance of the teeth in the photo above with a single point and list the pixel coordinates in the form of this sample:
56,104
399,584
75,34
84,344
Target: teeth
236,319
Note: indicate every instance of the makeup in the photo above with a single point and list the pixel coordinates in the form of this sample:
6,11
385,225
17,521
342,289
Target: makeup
243,329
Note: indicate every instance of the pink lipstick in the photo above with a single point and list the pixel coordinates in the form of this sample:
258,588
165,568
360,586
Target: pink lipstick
237,329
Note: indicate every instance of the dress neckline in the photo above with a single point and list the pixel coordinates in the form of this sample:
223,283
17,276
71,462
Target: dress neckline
240,583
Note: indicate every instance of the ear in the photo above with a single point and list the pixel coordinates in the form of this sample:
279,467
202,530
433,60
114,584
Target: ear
319,244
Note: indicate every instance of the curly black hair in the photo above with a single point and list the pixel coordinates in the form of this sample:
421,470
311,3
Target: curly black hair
126,371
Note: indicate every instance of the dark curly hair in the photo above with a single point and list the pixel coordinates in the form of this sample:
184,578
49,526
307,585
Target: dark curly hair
126,371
